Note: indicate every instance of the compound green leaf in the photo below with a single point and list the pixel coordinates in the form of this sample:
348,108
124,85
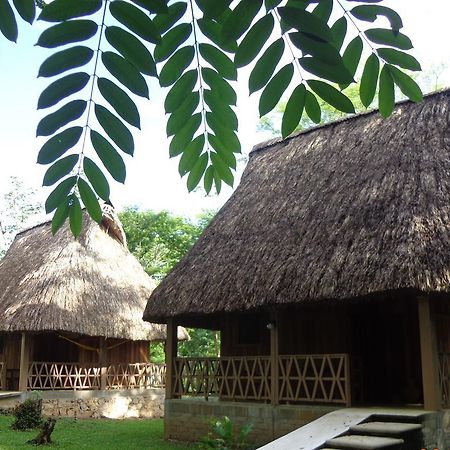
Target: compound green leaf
176,65
310,45
226,136
181,116
132,49
135,20
59,169
164,21
265,66
399,58
177,93
26,9
75,216
96,178
335,73
222,168
388,37
182,139
60,216
294,110
67,32
225,154
216,105
254,41
89,200
240,19
190,155
115,129
386,93
62,88
60,10
406,84
370,13
332,96
219,85
109,156
125,73
120,101
59,144
221,62
8,24
197,172
172,41
65,60
213,31
369,80
312,107
275,89
58,194
67,113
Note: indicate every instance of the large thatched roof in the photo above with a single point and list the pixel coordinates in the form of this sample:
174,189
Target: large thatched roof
344,210
91,286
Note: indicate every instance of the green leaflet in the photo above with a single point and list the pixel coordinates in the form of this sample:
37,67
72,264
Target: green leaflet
8,24
225,154
294,110
370,13
177,93
60,10
58,194
352,56
175,65
26,9
197,172
334,73
132,49
389,37
312,107
89,200
222,168
125,73
369,80
339,31
59,169
109,156
120,101
309,45
208,179
275,88
219,85
75,216
182,139
65,60
221,62
96,178
332,96
180,117
59,144
307,22
135,20
67,32
213,31
62,88
216,105
213,9
190,155
406,84
165,20
386,93
323,10
254,41
115,129
172,41
153,6
398,58
226,136
265,66
240,19
60,216
67,113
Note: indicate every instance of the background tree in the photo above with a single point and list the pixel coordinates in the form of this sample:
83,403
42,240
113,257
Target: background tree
195,50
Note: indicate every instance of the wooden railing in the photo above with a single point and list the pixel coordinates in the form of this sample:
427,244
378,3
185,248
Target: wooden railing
75,376
302,378
444,378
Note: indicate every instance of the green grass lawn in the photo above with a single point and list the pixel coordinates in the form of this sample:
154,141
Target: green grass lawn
94,434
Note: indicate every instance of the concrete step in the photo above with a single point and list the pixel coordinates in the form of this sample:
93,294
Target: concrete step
365,442
385,428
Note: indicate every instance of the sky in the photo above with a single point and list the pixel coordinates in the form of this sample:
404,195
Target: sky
153,181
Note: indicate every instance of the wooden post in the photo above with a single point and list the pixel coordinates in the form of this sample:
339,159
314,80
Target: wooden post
171,354
24,362
102,359
428,353
274,357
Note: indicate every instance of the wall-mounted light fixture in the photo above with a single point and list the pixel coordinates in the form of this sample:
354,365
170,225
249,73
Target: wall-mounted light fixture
271,325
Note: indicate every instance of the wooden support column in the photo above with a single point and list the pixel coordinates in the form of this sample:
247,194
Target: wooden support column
274,354
171,354
429,357
103,362
24,361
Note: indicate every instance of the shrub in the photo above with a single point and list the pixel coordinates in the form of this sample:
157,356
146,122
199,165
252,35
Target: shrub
28,414
224,437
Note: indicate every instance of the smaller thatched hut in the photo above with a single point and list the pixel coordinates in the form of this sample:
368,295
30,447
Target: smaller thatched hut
71,310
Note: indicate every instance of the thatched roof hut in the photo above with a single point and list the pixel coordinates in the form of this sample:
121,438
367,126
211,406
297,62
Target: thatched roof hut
90,286
340,211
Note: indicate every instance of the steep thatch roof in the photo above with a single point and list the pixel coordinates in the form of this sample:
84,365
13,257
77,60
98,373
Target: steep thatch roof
344,210
91,286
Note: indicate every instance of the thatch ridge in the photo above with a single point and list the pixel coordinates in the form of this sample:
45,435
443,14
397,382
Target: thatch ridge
340,211
91,285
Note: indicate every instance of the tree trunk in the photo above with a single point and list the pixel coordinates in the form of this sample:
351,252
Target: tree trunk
44,437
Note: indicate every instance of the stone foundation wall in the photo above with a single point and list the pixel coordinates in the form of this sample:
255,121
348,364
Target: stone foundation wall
190,419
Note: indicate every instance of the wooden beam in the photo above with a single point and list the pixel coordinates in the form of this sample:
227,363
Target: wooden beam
429,358
102,359
24,361
171,354
274,356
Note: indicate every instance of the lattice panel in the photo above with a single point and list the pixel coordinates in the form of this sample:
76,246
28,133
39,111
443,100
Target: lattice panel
56,376
444,378
132,376
314,378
